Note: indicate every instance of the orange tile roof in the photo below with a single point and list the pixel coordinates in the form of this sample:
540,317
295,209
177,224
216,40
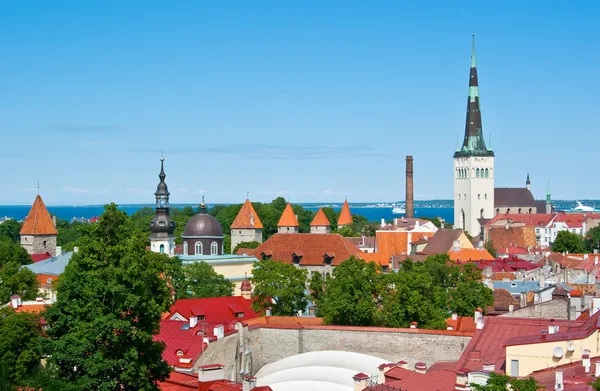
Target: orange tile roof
43,279
247,218
462,323
502,238
470,254
380,258
499,276
288,217
311,249
320,220
345,215
38,221
397,242
284,320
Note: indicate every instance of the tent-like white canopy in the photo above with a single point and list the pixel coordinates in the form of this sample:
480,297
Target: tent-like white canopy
326,371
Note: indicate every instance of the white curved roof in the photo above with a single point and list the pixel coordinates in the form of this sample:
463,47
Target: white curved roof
327,371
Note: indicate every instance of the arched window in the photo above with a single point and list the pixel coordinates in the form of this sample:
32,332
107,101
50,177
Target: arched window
214,248
508,211
198,248
459,197
486,196
519,211
497,211
487,173
185,248
478,196
530,210
481,213
477,173
162,248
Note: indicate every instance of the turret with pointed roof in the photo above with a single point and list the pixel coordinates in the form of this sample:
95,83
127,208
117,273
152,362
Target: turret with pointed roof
38,234
528,183
320,224
473,166
162,227
473,142
345,215
288,223
247,226
548,200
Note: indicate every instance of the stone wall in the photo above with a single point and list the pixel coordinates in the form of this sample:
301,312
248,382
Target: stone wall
245,235
553,309
273,344
39,244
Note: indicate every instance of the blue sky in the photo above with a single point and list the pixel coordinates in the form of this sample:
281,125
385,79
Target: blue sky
312,100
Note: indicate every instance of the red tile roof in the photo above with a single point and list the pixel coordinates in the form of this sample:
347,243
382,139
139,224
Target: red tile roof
178,381
533,219
574,377
178,336
486,346
320,220
284,320
312,249
216,310
577,330
408,380
247,218
504,239
345,215
38,221
462,323
288,217
40,257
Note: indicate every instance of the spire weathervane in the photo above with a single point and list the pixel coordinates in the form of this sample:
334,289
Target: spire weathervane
38,187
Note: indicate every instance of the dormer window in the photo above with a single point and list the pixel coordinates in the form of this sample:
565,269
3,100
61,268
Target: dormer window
384,268
328,259
201,317
265,256
239,314
180,352
296,258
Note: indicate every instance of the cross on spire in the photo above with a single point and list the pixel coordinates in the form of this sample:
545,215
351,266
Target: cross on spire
38,187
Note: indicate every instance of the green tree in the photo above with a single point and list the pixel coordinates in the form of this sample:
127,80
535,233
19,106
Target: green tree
332,216
201,280
316,286
69,234
568,241
110,299
352,294
348,232
280,286
13,252
15,280
592,239
252,245
469,292
414,296
489,246
20,346
10,229
498,382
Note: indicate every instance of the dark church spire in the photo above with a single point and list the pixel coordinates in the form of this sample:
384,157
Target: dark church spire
473,142
162,225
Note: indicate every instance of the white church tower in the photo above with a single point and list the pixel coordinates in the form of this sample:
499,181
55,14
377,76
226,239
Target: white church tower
162,227
473,167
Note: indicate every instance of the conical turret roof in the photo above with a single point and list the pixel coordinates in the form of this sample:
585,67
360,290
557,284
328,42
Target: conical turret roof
288,218
320,220
38,221
345,215
247,218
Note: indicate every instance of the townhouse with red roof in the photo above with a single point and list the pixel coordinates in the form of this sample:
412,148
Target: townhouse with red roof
192,324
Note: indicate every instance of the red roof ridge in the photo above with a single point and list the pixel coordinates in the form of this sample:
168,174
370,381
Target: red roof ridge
38,221
247,218
345,215
320,219
288,217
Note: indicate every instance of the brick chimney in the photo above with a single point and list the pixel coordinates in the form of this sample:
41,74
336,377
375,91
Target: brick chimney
410,200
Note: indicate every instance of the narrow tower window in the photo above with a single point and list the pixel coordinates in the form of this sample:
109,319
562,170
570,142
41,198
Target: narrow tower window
214,248
487,173
185,248
198,248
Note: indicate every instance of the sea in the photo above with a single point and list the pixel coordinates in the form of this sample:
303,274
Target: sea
373,211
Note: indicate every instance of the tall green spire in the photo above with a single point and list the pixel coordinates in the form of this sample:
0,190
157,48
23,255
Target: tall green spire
473,143
548,200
